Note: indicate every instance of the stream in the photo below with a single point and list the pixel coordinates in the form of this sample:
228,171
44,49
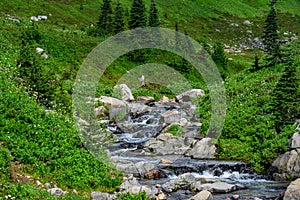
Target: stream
146,123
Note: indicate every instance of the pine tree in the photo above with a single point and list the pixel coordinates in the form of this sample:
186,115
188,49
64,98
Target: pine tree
270,36
118,19
255,65
137,15
105,17
153,20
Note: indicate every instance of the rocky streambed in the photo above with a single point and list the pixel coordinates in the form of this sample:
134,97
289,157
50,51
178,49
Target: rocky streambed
175,167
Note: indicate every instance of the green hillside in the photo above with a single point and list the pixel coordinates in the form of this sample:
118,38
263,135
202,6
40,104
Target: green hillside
37,146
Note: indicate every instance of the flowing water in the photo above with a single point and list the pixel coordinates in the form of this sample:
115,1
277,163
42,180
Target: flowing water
137,129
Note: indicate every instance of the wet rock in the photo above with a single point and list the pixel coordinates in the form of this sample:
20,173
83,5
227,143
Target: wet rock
145,99
203,149
171,116
218,187
189,95
102,196
184,181
203,195
295,141
293,191
123,92
235,197
56,192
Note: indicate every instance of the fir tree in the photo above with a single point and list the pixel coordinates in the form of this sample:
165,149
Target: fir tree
270,36
137,15
105,17
153,15
255,65
118,19
285,98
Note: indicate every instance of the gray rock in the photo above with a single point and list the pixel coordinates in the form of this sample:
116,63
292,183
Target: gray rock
167,144
138,169
14,20
293,191
102,196
295,141
131,185
189,95
56,192
138,108
184,180
203,195
117,108
287,166
203,149
171,116
123,92
217,187
145,99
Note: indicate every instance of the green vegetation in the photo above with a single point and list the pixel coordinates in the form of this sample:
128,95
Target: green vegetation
175,130
128,196
45,146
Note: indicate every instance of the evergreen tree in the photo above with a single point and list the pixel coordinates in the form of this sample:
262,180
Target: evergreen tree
220,58
270,36
105,17
153,15
137,15
118,19
285,98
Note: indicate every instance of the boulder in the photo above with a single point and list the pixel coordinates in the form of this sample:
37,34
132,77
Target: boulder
123,92
167,144
171,116
203,195
165,161
131,185
293,191
203,149
117,108
145,99
295,141
189,95
287,166
184,181
138,169
247,22
164,99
